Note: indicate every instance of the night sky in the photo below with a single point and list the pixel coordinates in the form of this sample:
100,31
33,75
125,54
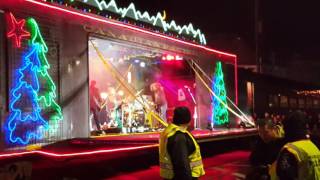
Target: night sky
293,26
289,27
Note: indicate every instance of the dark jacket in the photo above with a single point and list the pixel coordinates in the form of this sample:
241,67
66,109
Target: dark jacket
265,153
179,147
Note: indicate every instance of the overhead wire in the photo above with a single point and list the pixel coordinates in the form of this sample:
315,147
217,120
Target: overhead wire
210,90
211,81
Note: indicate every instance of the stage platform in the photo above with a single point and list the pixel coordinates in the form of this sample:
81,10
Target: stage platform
96,154
200,135
121,144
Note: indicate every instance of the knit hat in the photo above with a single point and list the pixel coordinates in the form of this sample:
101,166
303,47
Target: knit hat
181,115
295,126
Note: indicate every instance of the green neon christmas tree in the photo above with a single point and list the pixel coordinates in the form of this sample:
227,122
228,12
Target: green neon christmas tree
46,95
220,115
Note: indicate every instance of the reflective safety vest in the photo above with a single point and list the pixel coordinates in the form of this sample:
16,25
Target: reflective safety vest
166,168
308,158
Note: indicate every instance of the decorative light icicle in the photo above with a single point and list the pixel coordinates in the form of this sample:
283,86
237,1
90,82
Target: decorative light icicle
158,20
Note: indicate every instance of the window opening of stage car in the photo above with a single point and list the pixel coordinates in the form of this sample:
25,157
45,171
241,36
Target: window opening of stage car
123,81
119,120
33,111
130,15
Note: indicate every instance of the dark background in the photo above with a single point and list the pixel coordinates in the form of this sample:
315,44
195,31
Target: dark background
290,28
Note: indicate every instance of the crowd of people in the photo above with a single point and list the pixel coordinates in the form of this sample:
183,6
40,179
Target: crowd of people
287,149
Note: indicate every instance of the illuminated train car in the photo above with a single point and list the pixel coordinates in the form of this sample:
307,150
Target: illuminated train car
72,69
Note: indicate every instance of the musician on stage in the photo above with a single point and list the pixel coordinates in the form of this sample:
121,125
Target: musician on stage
95,101
160,100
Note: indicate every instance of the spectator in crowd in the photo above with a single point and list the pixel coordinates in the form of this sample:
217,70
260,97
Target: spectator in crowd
299,158
266,115
266,149
179,153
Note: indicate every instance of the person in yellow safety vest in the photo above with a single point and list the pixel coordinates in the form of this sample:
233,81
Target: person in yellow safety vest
179,153
299,159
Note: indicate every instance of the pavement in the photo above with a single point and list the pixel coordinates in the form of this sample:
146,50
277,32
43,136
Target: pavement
97,159
227,166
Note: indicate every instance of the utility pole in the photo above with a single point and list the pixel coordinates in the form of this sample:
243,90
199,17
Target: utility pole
258,31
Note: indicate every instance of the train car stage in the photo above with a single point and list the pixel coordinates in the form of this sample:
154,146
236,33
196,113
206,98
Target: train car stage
108,77
113,146
124,152
200,135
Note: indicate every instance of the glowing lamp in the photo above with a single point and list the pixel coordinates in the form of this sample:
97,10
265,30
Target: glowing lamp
104,95
120,93
129,77
137,61
142,64
178,58
170,57
113,91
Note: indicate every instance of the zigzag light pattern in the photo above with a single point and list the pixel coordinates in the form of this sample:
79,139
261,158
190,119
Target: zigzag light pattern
157,20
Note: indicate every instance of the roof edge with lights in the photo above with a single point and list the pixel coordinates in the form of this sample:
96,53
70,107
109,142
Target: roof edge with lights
127,26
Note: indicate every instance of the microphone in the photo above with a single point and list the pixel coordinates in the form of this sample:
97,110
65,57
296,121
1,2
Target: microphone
188,88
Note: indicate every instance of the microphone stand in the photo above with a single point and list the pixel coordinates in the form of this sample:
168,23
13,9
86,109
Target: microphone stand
195,114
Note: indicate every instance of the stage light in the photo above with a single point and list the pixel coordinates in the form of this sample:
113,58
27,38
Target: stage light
137,61
170,57
104,95
120,93
111,91
69,68
129,77
178,58
143,64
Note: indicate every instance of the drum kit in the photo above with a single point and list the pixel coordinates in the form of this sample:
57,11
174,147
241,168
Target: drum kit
118,111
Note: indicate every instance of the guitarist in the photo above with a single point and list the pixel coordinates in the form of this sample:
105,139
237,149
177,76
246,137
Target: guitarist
95,101
160,99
